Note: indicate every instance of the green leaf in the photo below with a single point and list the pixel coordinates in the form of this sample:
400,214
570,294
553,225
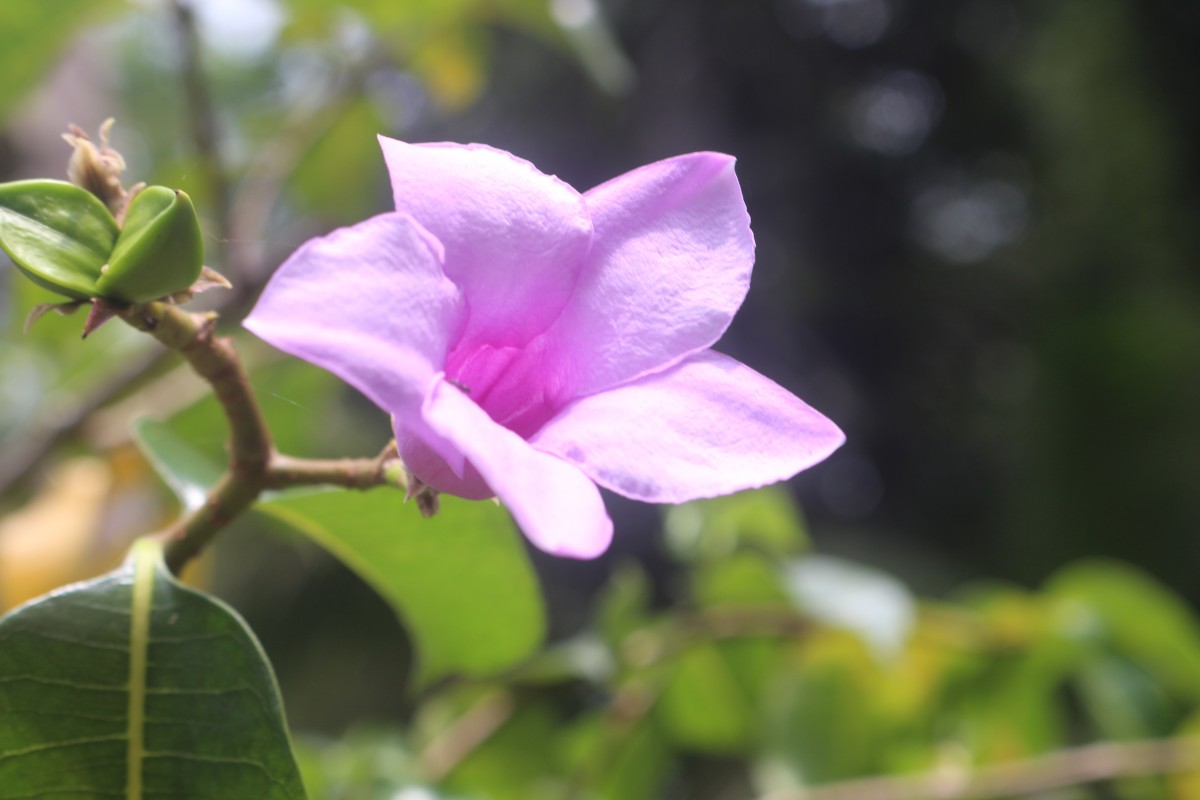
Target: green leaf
133,686
624,607
58,234
709,530
461,581
703,706
1123,700
825,718
1126,610
744,579
189,473
615,762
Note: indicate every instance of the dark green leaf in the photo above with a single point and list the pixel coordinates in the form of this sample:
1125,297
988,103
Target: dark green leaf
134,686
461,581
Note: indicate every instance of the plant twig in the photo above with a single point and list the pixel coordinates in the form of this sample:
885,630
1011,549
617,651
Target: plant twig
467,733
215,360
240,218
254,465
287,471
1104,761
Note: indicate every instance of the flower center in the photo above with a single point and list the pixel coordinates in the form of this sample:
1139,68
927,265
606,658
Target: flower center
504,382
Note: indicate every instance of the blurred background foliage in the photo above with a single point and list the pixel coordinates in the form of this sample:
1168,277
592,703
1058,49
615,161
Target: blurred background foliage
977,252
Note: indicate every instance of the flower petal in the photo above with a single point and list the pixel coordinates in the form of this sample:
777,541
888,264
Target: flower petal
555,504
705,427
670,265
370,304
460,479
515,238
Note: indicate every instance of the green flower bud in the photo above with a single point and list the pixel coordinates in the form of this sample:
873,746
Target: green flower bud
159,251
56,233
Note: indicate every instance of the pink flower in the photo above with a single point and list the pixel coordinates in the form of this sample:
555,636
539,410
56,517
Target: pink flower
532,342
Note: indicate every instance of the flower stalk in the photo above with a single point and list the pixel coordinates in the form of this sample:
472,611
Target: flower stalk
254,464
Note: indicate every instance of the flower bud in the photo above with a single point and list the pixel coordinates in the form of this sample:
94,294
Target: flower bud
159,251
97,169
56,233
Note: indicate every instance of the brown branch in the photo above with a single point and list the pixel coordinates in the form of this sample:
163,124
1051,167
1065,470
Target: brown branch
1104,761
467,733
241,219
254,465
287,471
215,360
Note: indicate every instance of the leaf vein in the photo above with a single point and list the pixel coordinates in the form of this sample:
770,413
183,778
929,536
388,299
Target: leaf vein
47,746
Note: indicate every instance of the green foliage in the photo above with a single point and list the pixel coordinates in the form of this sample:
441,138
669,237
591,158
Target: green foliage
460,581
443,41
132,685
1113,607
709,530
747,661
188,473
756,671
344,150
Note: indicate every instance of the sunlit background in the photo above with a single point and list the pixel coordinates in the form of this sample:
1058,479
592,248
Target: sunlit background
977,251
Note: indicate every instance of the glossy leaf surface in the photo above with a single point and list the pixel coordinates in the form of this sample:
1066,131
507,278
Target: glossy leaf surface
133,686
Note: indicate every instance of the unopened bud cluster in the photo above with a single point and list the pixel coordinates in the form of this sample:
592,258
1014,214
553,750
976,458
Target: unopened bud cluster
90,239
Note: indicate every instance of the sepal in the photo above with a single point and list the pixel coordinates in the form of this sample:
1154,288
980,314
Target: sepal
58,234
159,251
